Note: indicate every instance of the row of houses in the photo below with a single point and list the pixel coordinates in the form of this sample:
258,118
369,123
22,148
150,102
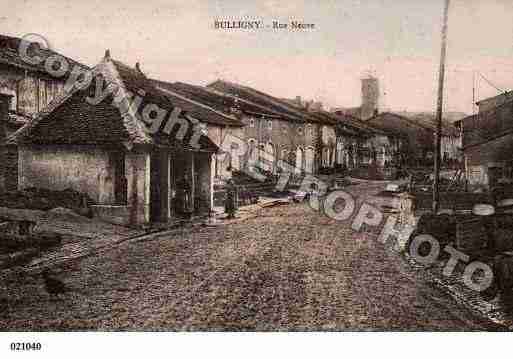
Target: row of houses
149,150
415,129
419,135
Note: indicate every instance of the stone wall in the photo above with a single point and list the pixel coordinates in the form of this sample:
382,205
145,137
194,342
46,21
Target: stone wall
137,164
275,137
83,168
495,154
9,168
285,137
221,162
30,93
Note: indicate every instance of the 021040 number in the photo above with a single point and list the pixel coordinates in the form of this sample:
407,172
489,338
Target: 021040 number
25,346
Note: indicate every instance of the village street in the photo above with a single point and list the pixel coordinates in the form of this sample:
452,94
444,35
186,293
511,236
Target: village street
290,268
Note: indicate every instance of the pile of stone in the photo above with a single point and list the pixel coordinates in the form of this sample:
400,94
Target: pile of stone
44,200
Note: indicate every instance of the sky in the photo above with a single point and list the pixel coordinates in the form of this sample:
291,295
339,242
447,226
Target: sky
398,41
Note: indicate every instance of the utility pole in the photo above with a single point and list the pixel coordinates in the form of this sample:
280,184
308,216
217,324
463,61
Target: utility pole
474,92
438,134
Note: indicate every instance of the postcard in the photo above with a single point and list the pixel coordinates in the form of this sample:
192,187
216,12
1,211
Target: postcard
255,166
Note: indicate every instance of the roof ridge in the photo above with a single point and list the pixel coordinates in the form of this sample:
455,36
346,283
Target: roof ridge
61,98
356,122
132,120
275,101
174,93
409,120
290,115
220,93
213,91
11,41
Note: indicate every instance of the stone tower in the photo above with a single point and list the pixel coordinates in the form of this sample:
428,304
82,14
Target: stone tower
370,97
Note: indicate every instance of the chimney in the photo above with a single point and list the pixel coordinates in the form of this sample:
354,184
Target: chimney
138,69
317,106
298,100
107,54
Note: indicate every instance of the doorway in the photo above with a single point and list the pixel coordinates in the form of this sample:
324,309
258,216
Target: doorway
160,186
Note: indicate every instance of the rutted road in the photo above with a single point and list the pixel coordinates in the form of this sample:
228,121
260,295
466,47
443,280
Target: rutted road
288,269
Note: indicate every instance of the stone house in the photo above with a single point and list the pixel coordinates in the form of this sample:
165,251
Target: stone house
415,129
243,125
123,148
366,151
487,139
451,144
358,143
225,122
286,132
25,89
419,138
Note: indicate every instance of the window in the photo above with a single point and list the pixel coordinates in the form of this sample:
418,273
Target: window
269,124
325,156
251,122
310,130
285,155
204,129
300,130
253,150
42,94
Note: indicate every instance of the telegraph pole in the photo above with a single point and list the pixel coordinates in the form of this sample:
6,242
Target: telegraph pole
438,134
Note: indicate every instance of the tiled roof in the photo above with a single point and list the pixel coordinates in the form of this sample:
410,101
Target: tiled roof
285,109
71,119
356,122
402,124
9,55
423,132
488,125
322,117
396,124
223,102
206,111
506,96
428,120
350,121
